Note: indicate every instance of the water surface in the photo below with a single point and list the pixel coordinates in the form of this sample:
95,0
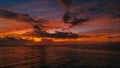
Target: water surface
59,57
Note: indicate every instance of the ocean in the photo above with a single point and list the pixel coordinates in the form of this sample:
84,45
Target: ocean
57,56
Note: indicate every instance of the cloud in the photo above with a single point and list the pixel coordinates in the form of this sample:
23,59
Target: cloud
37,26
7,14
111,37
92,14
20,17
91,10
12,21
39,32
13,25
69,17
11,40
72,19
84,36
66,4
116,16
103,24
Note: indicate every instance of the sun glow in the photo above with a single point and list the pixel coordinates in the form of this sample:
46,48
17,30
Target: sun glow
30,38
45,40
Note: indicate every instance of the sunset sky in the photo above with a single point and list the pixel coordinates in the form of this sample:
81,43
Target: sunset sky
102,17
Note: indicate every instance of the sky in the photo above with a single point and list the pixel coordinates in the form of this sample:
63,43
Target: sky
97,17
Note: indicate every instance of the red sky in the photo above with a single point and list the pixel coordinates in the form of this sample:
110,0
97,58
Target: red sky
103,18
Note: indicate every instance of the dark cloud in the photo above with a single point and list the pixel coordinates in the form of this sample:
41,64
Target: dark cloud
72,19
68,16
65,3
84,36
11,40
110,37
39,32
7,14
92,10
20,16
116,16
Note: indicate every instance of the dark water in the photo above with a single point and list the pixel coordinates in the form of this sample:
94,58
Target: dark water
59,57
